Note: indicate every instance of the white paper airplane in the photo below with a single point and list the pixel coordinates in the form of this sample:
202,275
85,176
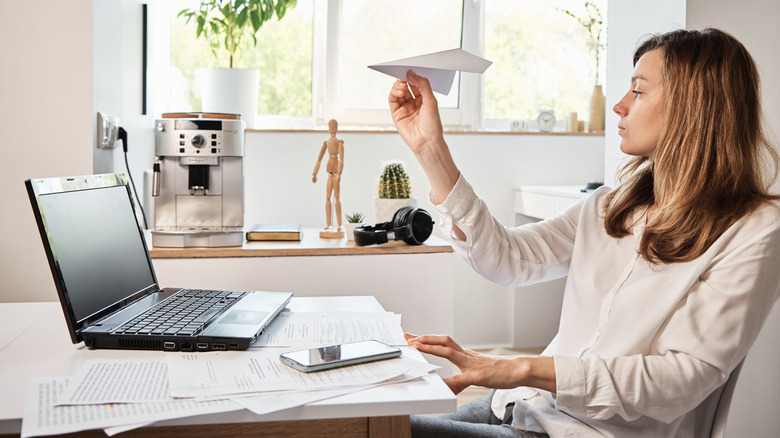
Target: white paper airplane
439,67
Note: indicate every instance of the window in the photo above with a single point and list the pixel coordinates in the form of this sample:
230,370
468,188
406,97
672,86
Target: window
396,29
314,62
541,60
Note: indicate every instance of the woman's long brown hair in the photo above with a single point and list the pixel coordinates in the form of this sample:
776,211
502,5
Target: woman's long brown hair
713,164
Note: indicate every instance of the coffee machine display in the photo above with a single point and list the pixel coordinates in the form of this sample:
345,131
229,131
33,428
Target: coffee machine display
198,180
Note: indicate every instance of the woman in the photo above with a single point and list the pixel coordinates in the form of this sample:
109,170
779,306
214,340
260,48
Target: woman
670,276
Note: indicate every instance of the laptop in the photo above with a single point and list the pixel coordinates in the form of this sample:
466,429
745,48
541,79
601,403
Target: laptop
106,282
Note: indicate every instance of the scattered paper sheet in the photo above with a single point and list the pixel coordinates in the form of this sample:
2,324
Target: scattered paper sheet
279,401
294,329
276,401
116,430
41,417
223,374
225,381
118,381
439,67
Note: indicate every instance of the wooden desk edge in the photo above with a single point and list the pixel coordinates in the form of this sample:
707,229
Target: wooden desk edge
248,251
372,427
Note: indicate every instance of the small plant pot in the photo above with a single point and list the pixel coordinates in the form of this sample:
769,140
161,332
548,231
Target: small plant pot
349,229
384,209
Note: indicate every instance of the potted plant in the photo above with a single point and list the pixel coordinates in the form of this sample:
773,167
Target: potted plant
226,24
394,192
593,23
354,220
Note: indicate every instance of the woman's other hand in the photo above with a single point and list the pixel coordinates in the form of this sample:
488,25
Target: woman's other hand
496,372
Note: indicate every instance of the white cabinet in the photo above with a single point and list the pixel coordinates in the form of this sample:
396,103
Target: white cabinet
537,308
541,202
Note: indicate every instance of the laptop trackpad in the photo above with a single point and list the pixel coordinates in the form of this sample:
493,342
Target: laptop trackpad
248,317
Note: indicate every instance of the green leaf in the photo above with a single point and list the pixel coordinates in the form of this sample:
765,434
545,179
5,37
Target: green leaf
254,17
226,11
201,22
242,17
224,23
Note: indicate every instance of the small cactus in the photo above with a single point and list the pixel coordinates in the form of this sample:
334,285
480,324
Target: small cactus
355,218
394,183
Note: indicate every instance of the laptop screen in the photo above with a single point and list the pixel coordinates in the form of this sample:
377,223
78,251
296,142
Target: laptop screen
97,246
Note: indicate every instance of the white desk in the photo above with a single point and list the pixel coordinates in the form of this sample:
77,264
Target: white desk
36,344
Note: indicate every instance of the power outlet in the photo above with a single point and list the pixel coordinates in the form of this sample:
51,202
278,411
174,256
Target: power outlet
107,131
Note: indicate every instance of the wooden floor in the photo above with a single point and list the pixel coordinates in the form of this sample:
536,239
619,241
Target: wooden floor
472,392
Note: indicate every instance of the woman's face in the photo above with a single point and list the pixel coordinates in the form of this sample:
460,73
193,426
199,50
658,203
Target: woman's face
641,110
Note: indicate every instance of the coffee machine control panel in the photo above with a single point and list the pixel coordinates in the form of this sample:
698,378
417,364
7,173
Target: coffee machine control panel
199,137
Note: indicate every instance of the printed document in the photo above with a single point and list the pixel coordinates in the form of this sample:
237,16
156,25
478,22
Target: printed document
41,417
118,381
228,374
294,329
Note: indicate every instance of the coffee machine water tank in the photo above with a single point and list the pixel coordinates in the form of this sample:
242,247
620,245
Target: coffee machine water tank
198,180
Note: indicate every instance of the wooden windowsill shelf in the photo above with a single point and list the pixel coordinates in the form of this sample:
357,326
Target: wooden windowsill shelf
310,245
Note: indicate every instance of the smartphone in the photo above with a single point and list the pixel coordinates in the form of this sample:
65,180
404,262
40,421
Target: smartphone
334,356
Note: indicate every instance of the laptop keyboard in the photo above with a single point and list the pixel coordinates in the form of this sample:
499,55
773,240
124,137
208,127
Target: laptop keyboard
184,313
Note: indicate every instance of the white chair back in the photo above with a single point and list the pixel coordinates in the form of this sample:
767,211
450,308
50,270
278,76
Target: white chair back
724,403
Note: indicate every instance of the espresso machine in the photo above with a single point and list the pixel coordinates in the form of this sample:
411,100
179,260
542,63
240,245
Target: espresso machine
198,180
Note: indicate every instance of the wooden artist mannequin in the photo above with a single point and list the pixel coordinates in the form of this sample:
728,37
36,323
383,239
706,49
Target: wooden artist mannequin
335,149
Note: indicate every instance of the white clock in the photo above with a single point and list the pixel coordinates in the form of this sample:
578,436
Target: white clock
546,121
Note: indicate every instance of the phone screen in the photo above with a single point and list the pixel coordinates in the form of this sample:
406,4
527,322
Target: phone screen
339,355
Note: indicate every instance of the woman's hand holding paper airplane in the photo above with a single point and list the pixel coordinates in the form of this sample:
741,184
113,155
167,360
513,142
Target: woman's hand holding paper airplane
415,113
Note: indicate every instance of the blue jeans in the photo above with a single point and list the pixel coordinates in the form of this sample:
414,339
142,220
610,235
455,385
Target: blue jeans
475,420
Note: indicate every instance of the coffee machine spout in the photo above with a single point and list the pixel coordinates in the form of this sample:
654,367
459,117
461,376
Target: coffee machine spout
198,179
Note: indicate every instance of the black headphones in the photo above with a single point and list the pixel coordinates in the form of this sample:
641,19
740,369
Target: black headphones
411,224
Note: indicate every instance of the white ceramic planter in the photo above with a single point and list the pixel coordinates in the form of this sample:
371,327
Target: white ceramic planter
384,209
230,90
349,229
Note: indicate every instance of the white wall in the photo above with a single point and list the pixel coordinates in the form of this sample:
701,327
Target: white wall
46,123
755,24
117,85
629,22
